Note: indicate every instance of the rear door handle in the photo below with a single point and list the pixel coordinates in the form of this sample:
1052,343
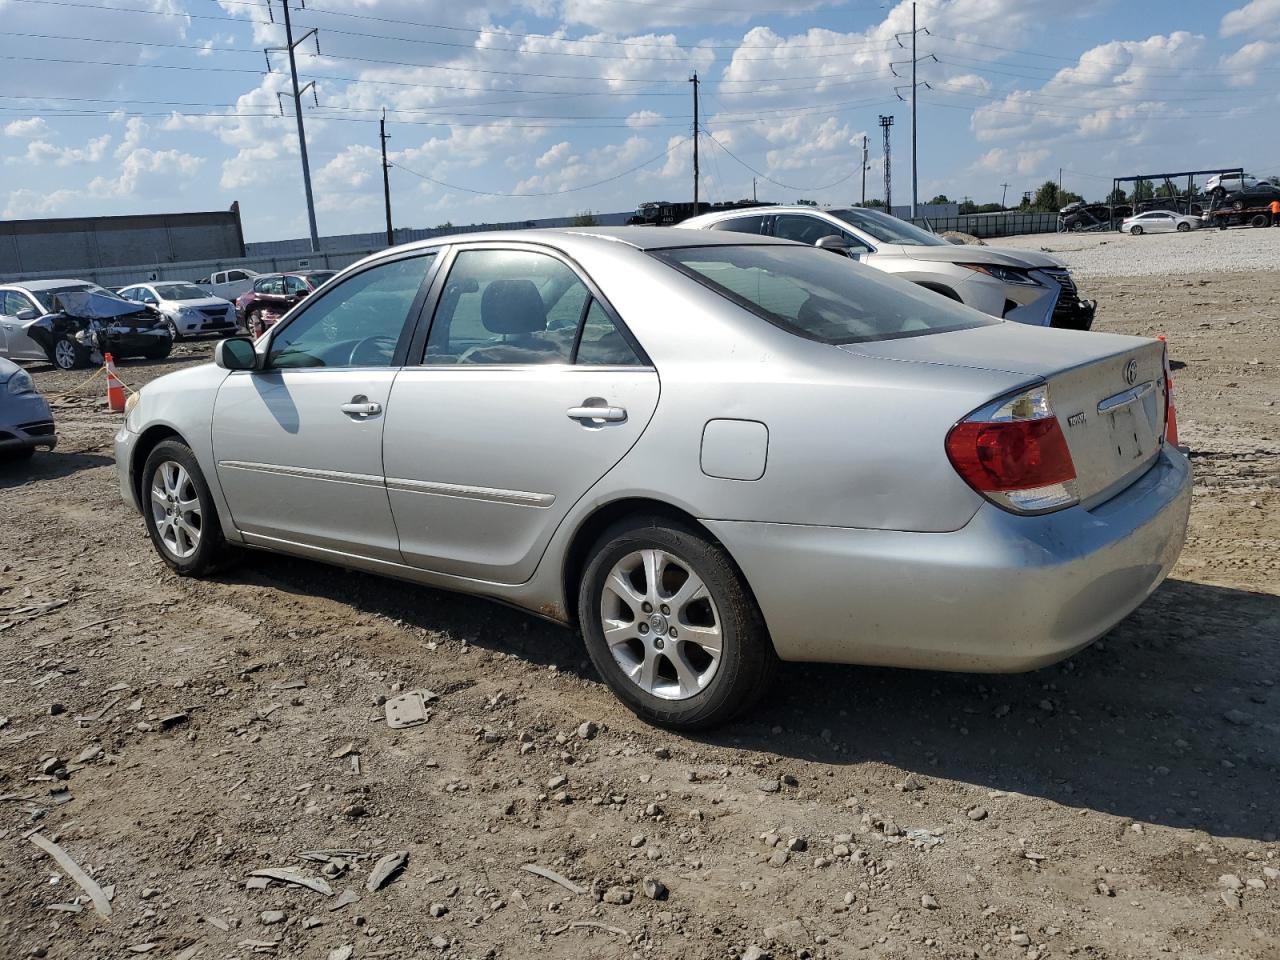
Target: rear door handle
611,414
361,406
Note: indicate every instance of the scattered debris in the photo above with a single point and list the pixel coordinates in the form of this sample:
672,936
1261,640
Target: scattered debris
591,924
101,904
345,899
409,709
553,877
386,868
923,839
292,876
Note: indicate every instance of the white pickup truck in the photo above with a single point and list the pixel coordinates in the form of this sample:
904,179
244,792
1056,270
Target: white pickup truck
228,284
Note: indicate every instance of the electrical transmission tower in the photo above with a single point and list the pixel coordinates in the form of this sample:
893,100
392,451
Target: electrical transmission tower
886,123
915,59
290,46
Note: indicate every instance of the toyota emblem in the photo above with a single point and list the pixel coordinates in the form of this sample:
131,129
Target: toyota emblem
1131,372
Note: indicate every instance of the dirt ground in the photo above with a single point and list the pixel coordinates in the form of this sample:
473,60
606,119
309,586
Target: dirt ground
1122,804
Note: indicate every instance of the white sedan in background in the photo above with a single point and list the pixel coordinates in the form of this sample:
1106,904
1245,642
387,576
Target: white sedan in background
1160,221
188,310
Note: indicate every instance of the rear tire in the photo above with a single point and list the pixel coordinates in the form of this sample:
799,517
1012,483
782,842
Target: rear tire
659,663
159,353
179,512
1260,220
1136,230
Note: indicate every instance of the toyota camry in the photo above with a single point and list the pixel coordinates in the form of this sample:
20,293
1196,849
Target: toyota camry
707,451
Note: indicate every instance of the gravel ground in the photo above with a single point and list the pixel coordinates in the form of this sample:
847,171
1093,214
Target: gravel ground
174,736
1238,250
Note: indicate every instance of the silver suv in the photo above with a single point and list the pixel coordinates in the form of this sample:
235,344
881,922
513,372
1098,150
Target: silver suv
1013,284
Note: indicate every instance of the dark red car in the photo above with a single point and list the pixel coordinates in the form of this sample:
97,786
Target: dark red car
274,294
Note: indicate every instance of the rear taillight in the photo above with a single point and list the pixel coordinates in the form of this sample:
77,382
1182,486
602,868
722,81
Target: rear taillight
1013,452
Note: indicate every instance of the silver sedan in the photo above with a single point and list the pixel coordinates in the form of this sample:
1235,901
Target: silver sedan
1160,221
707,451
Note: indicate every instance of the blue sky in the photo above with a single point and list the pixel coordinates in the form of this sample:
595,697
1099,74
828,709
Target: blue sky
136,106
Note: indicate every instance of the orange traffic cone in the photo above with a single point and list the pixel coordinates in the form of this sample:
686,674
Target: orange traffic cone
115,389
1171,419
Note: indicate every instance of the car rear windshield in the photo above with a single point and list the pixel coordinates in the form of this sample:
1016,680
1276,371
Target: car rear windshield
820,295
180,291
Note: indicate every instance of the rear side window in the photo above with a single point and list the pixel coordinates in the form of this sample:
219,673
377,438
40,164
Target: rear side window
818,296
739,225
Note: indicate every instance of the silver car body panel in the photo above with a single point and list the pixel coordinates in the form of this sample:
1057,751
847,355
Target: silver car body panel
859,540
26,421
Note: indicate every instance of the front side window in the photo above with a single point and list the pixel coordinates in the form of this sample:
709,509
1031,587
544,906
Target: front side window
295,285
803,229
357,323
235,275
507,307
887,228
820,298
13,303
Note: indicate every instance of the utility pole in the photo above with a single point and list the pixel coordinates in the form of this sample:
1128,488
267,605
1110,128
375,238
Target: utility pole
290,45
386,179
886,123
1004,191
915,59
754,199
1059,184
864,169
694,81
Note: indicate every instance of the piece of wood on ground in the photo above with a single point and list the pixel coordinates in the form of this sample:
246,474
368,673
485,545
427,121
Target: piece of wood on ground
554,877
101,905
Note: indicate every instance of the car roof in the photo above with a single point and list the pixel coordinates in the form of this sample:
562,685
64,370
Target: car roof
639,238
37,285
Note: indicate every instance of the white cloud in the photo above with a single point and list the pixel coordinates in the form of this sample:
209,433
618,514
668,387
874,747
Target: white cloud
634,16
1258,18
1245,63
32,203
554,155
138,166
44,153
595,165
1022,162
30,128
645,118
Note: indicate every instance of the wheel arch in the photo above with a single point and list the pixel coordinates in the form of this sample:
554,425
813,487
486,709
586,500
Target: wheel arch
150,438
590,528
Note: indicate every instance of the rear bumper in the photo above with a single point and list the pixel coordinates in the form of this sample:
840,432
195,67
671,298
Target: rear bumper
1003,594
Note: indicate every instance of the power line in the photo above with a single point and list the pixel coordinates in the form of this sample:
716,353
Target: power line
778,183
548,193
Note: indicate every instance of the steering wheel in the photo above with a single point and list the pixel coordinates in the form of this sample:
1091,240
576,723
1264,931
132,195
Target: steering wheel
380,348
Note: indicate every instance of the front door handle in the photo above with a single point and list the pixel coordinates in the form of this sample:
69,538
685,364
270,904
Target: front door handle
589,412
361,407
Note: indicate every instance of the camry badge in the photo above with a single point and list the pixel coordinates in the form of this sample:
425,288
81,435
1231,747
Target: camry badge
1131,372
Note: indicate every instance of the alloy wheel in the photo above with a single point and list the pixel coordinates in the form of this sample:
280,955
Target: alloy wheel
175,508
661,624
64,354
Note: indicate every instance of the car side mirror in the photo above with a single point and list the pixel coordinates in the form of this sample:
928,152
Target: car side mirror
835,244
27,314
235,353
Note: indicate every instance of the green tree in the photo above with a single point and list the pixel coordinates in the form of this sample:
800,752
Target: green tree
585,219
807,203
1046,197
873,204
1143,190
1117,196
940,198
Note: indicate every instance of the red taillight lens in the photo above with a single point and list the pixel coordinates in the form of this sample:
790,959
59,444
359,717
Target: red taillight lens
1015,454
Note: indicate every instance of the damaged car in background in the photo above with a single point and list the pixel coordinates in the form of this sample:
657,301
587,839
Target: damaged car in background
1020,285
72,323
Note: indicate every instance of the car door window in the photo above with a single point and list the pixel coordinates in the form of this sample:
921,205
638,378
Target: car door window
357,323
295,285
601,343
13,303
234,275
507,307
810,230
739,225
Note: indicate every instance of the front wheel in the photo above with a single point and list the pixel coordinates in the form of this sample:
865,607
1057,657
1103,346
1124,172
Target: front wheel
1136,231
1184,227
159,353
69,354
179,511
172,328
671,626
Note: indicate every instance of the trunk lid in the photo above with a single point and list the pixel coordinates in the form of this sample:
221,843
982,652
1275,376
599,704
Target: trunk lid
1108,391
